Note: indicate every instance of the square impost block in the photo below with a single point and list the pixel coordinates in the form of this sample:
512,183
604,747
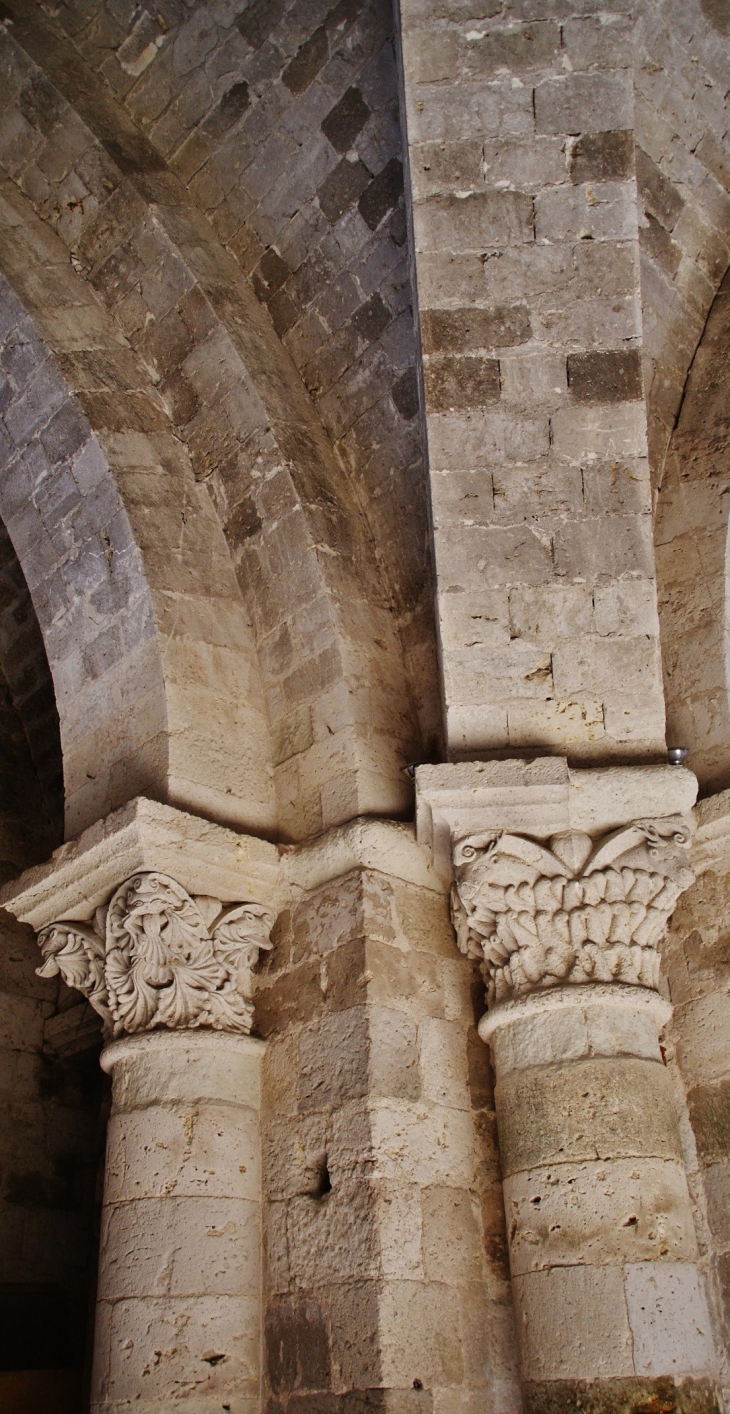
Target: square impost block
540,798
143,836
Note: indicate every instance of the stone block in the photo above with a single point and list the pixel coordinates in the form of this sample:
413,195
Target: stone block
453,382
461,330
180,1247
441,166
669,1319
615,432
611,377
604,212
602,157
573,1324
578,103
451,1237
443,1062
471,221
613,1108
599,1213
420,1329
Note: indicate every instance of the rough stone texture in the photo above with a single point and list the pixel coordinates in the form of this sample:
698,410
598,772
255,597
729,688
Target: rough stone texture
182,1201
603,1250
141,615
386,1283
203,212
681,73
691,549
278,486
282,121
697,965
524,205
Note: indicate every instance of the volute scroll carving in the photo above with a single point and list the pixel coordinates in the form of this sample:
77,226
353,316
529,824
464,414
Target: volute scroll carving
156,956
577,911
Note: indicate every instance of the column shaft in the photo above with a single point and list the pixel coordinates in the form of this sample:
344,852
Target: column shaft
601,1237
178,1313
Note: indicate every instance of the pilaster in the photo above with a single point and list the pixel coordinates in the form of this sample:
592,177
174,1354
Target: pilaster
522,194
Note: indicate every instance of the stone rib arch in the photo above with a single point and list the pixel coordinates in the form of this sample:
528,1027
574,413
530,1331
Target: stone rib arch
142,645
27,677
338,697
681,74
692,548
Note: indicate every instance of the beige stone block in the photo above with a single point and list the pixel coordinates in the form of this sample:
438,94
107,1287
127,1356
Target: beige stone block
185,1066
180,1247
399,1226
627,608
419,1143
543,614
205,858
631,718
157,1346
609,432
465,441
333,1239
528,377
613,1108
475,620
393,1060
443,1062
595,665
528,164
703,1042
420,1334
452,1242
669,1319
472,729
599,1213
572,1023
458,984
564,726
572,1324
211,1150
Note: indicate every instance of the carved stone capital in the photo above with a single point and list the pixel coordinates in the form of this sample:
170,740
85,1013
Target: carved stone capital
575,910
157,956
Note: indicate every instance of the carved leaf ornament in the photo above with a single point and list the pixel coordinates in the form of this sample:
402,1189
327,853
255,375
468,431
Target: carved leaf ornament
159,957
579,911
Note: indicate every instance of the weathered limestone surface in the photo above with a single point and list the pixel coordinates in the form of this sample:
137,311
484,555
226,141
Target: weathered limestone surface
386,1281
144,626
525,231
252,435
202,210
179,1311
696,964
691,548
603,1250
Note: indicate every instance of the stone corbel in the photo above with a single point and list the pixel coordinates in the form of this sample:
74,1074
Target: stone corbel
143,915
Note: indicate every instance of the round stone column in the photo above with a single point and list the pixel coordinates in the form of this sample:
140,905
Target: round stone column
601,1236
610,1306
179,1297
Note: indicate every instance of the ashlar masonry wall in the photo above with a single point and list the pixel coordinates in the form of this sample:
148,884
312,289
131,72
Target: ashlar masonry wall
521,152
386,1277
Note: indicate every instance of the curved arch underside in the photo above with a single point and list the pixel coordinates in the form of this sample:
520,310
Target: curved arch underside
149,269
692,558
122,157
